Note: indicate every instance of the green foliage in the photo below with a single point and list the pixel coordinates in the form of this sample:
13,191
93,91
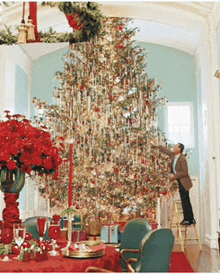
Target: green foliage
7,37
54,37
88,15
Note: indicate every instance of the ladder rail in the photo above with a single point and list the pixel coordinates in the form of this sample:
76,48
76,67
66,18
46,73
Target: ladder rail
182,235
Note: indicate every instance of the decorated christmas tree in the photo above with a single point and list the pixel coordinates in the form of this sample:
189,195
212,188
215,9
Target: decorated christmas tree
107,104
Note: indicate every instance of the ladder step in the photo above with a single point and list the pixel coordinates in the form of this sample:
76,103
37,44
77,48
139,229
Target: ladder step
182,230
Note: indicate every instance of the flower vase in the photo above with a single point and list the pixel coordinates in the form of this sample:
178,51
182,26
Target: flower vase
11,183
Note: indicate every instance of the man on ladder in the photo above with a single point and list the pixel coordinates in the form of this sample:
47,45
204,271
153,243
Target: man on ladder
179,169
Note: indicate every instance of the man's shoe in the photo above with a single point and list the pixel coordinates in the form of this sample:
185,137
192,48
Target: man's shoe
189,222
192,222
182,223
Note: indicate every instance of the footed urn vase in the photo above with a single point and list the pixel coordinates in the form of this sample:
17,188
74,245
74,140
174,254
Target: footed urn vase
11,183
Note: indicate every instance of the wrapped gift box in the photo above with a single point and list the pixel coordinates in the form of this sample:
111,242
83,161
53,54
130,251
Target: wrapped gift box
63,234
79,235
94,238
154,225
77,222
63,223
110,234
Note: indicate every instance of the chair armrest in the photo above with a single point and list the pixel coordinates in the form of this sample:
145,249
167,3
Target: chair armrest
97,269
132,260
129,266
128,250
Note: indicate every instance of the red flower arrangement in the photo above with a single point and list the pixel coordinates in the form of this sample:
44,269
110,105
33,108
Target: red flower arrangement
26,147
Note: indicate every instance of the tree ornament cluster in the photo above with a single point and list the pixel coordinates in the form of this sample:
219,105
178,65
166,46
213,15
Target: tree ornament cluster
107,103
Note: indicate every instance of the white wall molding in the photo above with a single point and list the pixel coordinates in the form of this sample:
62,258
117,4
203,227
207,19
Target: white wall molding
212,242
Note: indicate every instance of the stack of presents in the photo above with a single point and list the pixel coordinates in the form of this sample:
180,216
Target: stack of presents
108,233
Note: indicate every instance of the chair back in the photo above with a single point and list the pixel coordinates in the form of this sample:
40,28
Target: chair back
31,224
155,251
134,232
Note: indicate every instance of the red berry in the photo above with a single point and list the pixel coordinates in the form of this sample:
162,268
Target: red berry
26,244
28,236
15,249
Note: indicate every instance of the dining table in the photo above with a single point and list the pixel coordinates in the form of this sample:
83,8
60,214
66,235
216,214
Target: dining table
109,261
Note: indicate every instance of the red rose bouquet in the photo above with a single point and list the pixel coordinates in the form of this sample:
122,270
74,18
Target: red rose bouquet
26,147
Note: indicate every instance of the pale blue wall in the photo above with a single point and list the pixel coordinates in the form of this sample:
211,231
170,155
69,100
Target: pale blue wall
176,71
43,73
21,91
172,68
21,107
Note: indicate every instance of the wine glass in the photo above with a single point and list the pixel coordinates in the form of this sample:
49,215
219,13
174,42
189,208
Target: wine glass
19,232
41,226
6,239
54,233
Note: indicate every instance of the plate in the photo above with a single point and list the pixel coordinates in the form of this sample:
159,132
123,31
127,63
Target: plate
91,243
83,254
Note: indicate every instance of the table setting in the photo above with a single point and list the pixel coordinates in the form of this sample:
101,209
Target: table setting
23,253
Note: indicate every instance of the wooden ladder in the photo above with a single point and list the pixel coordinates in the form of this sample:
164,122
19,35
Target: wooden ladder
182,230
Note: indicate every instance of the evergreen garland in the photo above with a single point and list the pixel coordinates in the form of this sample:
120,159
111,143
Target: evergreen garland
88,16
54,37
6,37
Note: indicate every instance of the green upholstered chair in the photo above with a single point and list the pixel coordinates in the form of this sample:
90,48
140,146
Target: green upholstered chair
155,252
134,232
31,224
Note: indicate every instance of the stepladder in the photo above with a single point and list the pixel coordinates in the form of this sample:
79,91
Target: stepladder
184,233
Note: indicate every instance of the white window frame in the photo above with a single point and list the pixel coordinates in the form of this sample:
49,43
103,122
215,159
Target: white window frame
190,104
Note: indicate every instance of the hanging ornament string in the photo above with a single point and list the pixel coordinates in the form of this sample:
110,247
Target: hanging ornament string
23,14
22,36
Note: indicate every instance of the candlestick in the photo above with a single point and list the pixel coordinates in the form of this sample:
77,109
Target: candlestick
71,174
158,212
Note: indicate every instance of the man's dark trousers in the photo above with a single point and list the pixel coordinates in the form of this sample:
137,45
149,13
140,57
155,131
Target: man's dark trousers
186,204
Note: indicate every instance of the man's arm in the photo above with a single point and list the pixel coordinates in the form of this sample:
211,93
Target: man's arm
184,171
165,150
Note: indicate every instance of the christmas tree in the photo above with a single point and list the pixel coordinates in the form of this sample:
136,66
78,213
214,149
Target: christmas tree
107,104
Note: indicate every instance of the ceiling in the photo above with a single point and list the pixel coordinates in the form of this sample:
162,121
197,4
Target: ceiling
174,24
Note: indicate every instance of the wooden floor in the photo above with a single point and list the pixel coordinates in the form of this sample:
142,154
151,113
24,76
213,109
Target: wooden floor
207,260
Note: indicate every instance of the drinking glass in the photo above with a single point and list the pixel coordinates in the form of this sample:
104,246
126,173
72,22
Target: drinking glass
54,234
41,226
6,239
19,232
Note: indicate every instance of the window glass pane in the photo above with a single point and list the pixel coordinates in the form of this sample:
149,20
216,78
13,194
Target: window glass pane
173,115
173,137
180,124
185,139
185,128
